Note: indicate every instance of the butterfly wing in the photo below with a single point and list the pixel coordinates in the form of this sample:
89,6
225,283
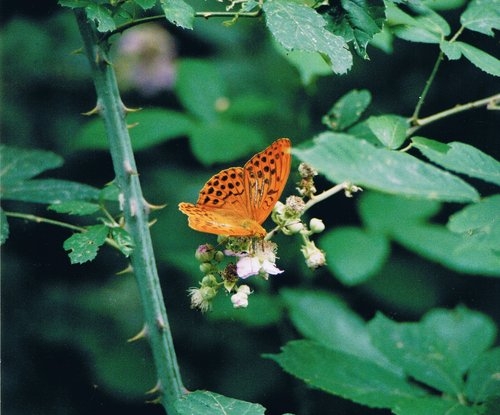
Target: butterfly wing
265,177
221,207
220,221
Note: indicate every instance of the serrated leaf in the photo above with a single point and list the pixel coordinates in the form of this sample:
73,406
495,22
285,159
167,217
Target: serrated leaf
438,244
102,16
17,164
426,27
75,207
461,158
479,58
348,109
178,12
296,26
224,141
353,255
482,16
419,352
210,403
483,380
451,50
341,157
49,191
364,19
123,240
193,76
343,330
389,129
479,222
344,375
4,227
152,126
84,246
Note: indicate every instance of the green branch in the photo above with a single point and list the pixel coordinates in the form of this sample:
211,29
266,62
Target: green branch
489,102
135,210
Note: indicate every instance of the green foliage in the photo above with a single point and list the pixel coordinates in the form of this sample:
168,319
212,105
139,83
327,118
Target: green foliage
211,403
403,251
83,246
343,157
296,26
444,351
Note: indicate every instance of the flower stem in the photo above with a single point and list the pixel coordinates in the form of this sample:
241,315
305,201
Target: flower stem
135,211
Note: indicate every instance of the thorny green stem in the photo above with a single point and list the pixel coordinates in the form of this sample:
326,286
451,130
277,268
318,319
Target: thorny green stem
135,210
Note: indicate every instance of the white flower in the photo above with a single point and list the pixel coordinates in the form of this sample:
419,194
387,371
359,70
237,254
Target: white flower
314,256
260,261
240,299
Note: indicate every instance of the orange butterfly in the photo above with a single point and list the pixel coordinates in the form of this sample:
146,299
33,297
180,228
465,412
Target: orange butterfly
236,201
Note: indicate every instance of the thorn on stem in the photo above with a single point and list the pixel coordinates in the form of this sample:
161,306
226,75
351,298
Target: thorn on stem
139,336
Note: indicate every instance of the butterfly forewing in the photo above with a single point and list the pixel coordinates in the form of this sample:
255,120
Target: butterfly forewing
266,174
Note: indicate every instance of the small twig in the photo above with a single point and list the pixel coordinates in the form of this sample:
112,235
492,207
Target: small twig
40,219
489,102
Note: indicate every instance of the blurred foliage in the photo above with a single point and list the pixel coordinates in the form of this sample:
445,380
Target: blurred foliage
65,328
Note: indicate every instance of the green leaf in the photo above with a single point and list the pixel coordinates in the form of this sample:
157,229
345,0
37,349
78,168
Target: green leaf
483,380
389,129
83,246
381,212
450,49
362,20
178,12
151,127
4,227
210,403
123,240
426,27
50,191
344,375
421,351
194,76
353,255
348,109
482,60
75,207
482,16
224,141
479,222
296,26
146,4
437,243
102,16
18,164
309,64
342,157
461,158
431,405
343,330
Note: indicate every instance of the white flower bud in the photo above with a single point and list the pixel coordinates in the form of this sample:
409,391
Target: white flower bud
316,225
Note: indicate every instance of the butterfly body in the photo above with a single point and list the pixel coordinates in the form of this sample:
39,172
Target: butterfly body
236,201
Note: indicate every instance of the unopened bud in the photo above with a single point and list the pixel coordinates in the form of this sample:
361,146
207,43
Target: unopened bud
316,225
